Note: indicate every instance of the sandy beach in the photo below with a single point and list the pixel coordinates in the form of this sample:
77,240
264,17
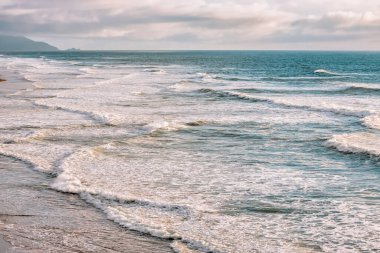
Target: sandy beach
4,246
215,151
12,83
35,218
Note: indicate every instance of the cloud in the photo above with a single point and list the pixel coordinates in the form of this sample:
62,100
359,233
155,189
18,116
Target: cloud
232,23
336,27
341,21
134,21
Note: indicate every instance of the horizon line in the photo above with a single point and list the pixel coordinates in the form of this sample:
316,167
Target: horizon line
193,50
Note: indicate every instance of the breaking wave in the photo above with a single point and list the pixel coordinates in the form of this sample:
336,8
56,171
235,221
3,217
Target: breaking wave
326,72
365,143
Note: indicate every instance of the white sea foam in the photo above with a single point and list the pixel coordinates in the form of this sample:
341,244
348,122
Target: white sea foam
45,157
367,143
190,232
149,209
369,86
89,70
372,121
155,71
325,72
24,114
207,77
185,86
341,105
163,125
164,186
101,113
82,134
14,135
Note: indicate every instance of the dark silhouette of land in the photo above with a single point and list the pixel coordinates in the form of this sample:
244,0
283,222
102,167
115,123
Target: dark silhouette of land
23,44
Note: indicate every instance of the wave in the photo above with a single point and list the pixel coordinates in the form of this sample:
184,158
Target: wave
326,72
319,74
361,86
328,105
78,170
155,70
229,95
167,126
45,158
296,102
292,90
89,70
97,118
160,126
300,78
372,121
185,86
145,216
213,77
120,217
135,214
364,143
206,77
107,202
197,123
365,85
340,88
349,90
361,90
233,79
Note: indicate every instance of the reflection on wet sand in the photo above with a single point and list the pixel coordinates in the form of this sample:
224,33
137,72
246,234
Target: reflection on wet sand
34,218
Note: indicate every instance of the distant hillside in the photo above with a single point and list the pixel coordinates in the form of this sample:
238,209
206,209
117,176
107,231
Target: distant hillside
17,44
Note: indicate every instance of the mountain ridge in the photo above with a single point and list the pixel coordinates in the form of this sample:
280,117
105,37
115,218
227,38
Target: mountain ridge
10,43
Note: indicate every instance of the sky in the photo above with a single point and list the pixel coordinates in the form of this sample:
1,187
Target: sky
196,24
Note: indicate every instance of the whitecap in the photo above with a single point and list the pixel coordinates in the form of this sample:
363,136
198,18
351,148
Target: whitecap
326,72
367,143
372,121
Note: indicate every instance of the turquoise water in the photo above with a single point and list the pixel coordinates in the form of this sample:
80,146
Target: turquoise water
221,151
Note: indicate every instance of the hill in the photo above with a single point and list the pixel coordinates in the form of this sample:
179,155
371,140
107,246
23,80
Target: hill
19,44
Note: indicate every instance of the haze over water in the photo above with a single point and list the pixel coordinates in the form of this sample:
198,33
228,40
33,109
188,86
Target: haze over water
218,151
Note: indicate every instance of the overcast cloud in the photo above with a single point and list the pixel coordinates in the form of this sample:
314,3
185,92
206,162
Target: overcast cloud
196,24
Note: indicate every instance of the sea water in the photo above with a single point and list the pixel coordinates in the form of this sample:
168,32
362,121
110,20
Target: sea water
217,151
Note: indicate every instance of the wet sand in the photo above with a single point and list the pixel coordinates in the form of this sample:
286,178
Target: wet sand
35,218
5,246
12,83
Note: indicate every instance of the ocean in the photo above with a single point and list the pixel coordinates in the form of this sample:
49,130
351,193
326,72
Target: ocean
213,151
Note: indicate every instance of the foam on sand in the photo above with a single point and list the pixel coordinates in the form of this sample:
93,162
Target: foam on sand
35,218
213,162
4,245
44,157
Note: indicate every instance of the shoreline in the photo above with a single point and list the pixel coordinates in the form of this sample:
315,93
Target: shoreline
36,218
12,82
5,247
117,148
